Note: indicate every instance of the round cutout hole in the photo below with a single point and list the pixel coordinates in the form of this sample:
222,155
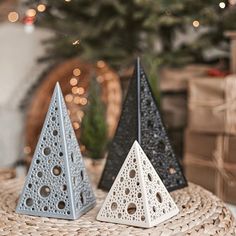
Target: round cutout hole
127,191
150,124
149,177
75,180
161,145
119,215
139,195
53,118
113,206
61,205
63,187
45,208
142,218
132,173
40,174
72,157
55,132
29,202
82,175
121,179
82,198
172,170
46,151
159,198
56,170
45,191
154,209
131,209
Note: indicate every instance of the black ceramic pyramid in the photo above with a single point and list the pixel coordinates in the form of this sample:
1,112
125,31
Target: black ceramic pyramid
140,120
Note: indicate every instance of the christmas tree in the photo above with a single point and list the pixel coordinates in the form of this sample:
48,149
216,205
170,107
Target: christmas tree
93,127
116,31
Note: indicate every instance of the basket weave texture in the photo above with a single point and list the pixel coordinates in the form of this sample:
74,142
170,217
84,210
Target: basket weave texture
201,213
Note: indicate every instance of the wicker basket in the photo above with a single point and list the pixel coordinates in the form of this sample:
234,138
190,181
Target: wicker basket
201,213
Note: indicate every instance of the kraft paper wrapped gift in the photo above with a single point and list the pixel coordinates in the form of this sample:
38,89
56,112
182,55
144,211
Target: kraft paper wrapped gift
176,139
174,110
176,79
212,105
210,161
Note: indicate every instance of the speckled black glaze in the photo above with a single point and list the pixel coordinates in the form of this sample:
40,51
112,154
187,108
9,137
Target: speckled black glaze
140,120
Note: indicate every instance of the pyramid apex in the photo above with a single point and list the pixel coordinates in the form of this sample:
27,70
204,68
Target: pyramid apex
58,87
137,63
136,145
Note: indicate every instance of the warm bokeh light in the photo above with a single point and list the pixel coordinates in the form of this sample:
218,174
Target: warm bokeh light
76,72
222,5
13,16
101,64
80,114
77,100
73,81
31,12
27,150
83,101
69,98
196,23
232,2
82,148
80,90
76,125
41,7
74,90
67,0
100,79
76,42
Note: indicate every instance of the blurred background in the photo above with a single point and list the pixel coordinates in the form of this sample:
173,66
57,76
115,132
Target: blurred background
188,50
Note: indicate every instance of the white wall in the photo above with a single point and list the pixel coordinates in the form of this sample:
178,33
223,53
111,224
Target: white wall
18,71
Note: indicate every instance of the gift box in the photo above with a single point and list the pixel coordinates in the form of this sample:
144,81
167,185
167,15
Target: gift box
174,110
210,161
176,79
212,105
176,138
174,115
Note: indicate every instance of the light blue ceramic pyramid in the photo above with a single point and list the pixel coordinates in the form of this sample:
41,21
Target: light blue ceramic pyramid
57,184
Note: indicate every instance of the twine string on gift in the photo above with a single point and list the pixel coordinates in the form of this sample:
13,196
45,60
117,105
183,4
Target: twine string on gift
228,107
221,151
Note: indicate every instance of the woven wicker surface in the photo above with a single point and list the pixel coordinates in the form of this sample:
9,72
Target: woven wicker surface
201,213
7,174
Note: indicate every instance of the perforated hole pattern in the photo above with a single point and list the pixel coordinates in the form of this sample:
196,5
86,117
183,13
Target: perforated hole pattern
154,140
48,181
126,198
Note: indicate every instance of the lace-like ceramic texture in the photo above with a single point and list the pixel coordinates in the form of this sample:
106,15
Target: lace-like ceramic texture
137,197
140,120
57,184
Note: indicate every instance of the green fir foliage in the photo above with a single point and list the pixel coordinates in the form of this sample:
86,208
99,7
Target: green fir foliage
93,127
117,31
